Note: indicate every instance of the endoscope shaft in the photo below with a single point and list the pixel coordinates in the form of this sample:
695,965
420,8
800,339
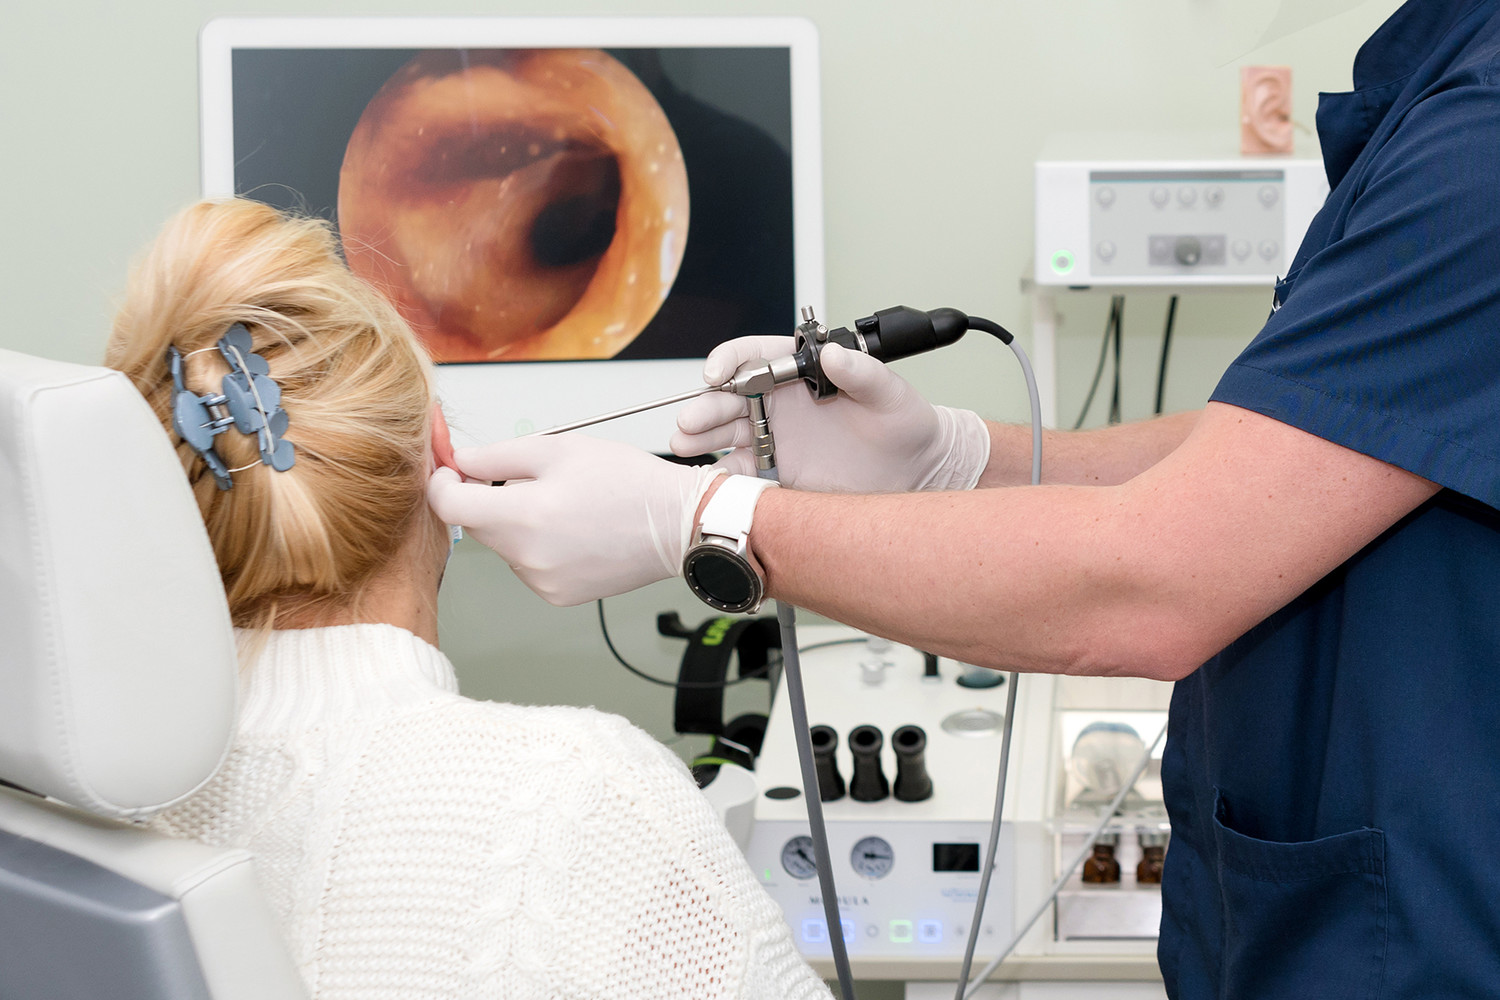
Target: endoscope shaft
681,397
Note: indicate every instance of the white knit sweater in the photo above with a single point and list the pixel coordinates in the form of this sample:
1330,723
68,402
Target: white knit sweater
419,844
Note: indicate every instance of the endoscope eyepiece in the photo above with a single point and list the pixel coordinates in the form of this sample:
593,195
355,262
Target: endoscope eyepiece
889,334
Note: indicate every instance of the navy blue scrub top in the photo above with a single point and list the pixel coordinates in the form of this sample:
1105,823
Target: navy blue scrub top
1333,776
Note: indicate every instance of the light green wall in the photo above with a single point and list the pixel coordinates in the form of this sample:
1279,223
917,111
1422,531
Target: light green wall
932,114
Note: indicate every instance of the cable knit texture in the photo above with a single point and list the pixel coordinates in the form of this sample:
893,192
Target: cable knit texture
418,844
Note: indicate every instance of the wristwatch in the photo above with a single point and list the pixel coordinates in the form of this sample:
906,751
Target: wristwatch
719,566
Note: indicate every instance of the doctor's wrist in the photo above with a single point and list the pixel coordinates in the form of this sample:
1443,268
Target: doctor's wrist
708,492
717,562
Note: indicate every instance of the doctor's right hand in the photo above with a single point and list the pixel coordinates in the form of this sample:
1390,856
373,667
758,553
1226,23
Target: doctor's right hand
579,518
877,436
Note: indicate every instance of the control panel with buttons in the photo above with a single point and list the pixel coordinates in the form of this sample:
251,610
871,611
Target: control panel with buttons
1218,222
907,892
1137,221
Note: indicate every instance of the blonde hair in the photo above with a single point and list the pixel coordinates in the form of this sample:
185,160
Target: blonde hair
355,383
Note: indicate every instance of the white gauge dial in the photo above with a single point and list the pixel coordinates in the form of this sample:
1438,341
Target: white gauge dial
797,858
872,858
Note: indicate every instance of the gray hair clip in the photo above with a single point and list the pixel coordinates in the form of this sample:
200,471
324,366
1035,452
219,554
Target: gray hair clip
251,398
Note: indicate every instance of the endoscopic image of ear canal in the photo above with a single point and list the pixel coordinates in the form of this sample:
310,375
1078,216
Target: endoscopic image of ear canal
516,205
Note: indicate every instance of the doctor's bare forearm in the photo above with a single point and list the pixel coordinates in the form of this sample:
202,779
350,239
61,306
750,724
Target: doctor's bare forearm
1005,578
1104,456
1146,578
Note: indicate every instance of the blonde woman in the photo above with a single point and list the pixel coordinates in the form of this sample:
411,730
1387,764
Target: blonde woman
415,843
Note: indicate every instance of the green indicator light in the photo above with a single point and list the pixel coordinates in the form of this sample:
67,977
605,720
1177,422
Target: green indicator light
901,932
1062,262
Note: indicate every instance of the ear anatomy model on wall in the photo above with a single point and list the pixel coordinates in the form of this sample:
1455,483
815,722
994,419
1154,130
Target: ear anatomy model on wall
1265,110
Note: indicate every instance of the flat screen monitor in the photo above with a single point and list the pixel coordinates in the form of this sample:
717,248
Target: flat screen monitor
571,212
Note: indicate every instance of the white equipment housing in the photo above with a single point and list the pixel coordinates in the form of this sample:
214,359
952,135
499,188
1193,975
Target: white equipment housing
911,920
1183,210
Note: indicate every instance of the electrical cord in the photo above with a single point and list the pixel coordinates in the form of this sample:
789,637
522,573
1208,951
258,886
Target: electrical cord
967,990
1166,347
786,618
817,828
661,681
830,642
992,841
1111,330
1114,399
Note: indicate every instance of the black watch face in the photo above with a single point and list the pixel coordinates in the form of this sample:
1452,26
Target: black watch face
723,579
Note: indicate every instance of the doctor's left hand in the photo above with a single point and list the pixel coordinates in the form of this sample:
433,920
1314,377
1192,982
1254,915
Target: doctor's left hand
579,518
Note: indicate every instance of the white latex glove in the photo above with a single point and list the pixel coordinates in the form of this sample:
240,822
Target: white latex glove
877,436
579,518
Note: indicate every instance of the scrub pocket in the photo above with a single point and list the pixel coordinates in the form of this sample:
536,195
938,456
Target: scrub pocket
1302,920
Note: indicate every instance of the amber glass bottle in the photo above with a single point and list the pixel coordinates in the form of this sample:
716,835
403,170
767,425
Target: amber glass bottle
1102,868
1153,856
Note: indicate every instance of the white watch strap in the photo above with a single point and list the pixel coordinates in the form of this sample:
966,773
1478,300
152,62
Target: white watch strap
731,509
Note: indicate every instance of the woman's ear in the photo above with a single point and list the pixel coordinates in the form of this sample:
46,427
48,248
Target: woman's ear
442,441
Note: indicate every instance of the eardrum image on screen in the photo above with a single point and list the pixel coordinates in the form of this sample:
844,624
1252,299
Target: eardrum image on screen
524,204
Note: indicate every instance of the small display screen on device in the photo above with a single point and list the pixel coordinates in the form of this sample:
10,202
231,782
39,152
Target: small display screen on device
955,857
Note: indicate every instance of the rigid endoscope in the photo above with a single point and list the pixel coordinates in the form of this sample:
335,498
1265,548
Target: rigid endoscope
888,335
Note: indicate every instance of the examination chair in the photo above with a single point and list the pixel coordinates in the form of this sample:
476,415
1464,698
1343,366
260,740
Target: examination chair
117,698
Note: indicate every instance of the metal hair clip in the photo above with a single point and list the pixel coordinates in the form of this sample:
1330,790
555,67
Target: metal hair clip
250,397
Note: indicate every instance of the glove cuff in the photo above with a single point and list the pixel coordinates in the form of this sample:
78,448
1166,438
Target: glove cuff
962,447
703,476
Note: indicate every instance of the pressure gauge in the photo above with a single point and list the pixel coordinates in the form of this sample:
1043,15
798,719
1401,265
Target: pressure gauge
797,858
872,858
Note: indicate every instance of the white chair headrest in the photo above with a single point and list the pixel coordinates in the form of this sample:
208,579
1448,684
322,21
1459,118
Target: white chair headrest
117,660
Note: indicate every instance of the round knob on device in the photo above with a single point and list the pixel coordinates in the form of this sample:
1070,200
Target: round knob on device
1187,250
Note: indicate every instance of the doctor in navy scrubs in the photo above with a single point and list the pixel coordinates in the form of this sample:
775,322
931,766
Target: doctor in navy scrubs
1314,557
